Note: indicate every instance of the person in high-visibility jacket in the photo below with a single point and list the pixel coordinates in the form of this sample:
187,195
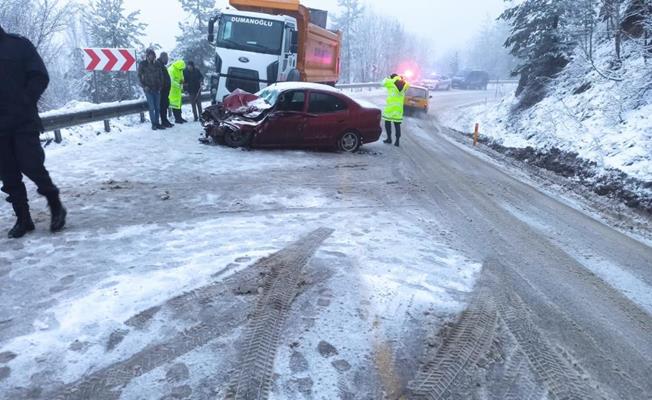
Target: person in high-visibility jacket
396,88
176,89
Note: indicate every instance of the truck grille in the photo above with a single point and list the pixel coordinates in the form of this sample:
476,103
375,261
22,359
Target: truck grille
244,79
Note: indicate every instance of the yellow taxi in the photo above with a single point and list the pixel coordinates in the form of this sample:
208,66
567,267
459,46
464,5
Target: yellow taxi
417,98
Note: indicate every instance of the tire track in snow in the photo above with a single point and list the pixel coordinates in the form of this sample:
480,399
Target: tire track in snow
469,340
253,377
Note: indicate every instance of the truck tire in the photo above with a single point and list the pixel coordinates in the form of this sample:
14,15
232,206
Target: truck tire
237,139
294,76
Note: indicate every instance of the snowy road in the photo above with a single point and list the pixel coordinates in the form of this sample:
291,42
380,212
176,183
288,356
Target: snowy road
154,290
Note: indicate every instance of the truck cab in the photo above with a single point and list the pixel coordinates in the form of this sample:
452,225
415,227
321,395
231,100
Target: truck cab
252,52
261,42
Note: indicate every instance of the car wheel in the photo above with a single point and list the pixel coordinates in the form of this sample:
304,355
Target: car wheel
237,138
350,142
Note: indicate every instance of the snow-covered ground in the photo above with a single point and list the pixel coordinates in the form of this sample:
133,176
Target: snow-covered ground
609,123
154,215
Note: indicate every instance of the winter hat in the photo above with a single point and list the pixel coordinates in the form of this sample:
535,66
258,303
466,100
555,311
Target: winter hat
150,51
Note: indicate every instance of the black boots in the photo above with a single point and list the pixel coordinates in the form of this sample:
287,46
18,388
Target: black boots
24,223
397,143
58,214
178,118
388,140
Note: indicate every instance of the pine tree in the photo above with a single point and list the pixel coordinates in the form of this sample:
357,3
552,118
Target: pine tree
348,22
109,26
192,44
538,40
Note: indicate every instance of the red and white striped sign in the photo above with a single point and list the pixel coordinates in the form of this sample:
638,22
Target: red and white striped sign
108,60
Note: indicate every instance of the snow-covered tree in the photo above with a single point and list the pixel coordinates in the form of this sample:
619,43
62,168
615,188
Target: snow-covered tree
42,22
637,24
375,45
109,25
349,23
192,43
487,51
538,41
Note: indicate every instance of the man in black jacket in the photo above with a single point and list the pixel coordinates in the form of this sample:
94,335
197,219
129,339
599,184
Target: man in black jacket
24,79
194,79
151,79
165,90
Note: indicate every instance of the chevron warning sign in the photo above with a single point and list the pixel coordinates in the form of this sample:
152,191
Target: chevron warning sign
109,60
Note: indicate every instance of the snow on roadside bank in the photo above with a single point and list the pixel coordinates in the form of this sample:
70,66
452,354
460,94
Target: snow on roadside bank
594,129
606,122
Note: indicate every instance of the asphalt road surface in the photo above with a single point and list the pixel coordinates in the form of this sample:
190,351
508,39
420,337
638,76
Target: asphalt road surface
425,271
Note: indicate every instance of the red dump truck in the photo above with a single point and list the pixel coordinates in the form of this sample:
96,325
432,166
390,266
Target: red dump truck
261,42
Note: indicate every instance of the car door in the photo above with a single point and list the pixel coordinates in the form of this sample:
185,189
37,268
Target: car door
286,123
327,119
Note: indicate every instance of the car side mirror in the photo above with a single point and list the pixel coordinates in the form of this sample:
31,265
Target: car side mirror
211,29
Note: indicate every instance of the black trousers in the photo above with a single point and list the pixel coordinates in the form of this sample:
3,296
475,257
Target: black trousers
196,105
22,154
165,105
388,129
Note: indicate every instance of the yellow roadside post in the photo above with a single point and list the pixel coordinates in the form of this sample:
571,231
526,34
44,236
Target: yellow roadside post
476,134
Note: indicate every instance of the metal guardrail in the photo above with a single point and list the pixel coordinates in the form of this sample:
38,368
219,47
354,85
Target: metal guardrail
369,85
104,113
374,85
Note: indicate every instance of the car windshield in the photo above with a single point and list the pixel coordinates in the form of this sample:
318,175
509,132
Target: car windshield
417,92
269,94
250,34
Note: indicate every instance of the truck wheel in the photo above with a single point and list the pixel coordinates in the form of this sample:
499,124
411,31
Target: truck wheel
350,142
294,76
237,138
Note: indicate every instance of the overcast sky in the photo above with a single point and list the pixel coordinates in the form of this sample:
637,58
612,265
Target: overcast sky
449,24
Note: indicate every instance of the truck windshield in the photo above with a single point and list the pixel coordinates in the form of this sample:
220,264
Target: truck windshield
250,34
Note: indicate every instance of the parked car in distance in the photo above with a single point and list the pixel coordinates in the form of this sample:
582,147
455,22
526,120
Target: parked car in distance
471,80
294,115
417,98
437,82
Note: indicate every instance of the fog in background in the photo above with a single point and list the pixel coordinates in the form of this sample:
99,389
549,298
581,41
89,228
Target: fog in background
448,24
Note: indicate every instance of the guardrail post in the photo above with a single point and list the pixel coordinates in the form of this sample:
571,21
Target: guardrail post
57,136
107,126
142,117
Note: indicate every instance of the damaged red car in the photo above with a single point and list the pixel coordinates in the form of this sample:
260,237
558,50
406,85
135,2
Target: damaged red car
293,115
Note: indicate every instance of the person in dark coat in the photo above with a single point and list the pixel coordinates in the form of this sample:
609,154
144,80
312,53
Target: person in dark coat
165,90
194,80
24,79
151,79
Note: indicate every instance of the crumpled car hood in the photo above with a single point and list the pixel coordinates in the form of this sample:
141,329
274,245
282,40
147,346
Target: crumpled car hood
245,104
